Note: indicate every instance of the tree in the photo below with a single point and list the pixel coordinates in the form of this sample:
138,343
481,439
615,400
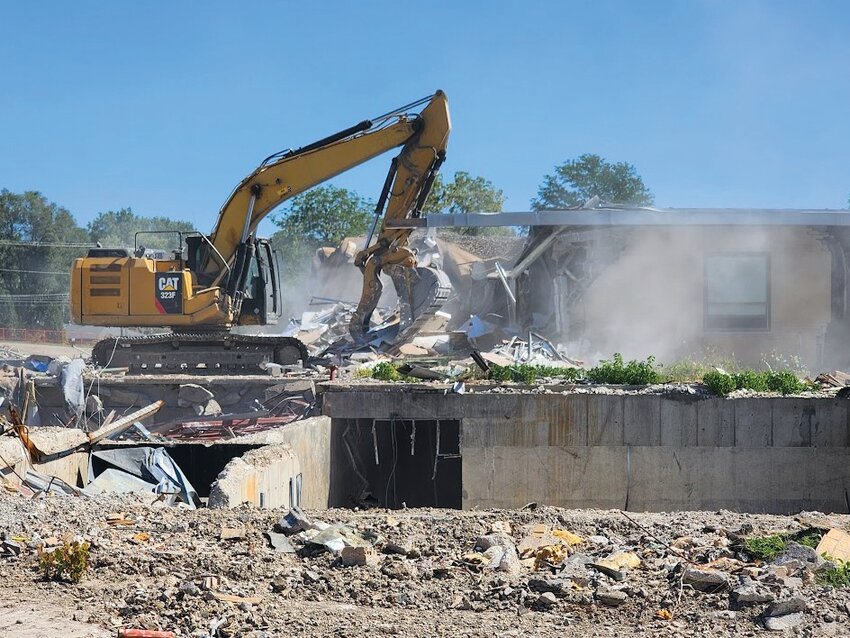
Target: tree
322,216
577,181
33,278
466,194
119,228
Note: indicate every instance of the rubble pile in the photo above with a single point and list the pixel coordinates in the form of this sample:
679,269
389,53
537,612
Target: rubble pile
247,572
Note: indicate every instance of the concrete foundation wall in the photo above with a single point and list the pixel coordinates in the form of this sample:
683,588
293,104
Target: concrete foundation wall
265,477
310,441
640,452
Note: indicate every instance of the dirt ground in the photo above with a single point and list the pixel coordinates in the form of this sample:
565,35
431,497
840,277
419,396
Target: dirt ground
426,572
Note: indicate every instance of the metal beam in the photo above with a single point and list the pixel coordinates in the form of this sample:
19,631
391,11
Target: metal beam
634,217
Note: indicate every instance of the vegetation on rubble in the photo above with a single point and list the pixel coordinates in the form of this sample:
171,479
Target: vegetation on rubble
618,371
838,576
783,381
385,371
528,374
766,548
68,562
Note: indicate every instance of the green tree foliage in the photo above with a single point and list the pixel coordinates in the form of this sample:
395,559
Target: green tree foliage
119,228
29,289
466,194
323,216
576,181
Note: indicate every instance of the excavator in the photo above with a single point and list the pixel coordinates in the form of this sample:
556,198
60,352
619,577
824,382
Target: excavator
229,278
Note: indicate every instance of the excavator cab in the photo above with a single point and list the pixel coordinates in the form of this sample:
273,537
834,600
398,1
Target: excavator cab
253,278
261,295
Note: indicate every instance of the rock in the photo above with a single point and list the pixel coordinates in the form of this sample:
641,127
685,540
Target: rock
361,556
726,614
231,398
783,623
193,394
504,558
598,540
494,555
617,574
211,408
611,597
406,547
786,606
620,560
546,599
188,588
279,542
311,577
554,584
398,569
749,592
704,579
796,557
295,521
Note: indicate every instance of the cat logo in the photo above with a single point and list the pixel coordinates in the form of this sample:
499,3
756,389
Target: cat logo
169,297
168,284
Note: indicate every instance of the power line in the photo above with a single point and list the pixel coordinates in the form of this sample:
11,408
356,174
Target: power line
38,272
46,244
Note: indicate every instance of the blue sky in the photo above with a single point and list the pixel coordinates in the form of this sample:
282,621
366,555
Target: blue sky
165,106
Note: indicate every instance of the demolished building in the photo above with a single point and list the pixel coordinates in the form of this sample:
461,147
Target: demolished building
674,283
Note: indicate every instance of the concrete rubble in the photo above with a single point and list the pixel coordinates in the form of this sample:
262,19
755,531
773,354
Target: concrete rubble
253,572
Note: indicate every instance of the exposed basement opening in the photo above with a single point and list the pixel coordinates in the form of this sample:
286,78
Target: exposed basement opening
401,462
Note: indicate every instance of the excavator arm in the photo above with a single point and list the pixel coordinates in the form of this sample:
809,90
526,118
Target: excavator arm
284,175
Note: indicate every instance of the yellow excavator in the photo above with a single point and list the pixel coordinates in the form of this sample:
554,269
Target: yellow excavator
229,278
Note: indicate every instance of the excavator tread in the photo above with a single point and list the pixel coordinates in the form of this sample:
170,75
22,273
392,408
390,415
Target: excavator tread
208,353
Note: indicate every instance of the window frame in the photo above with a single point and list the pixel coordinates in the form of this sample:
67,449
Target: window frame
730,327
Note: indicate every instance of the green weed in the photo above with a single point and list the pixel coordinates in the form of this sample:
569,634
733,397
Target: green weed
528,374
67,562
386,371
766,548
617,371
838,576
784,382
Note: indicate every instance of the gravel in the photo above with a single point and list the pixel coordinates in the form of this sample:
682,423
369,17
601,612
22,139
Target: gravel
423,572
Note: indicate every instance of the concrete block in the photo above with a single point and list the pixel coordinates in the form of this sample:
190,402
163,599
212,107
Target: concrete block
604,419
753,423
830,426
793,422
678,423
716,422
641,420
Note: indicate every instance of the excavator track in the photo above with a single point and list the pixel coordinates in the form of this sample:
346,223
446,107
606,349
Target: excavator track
201,353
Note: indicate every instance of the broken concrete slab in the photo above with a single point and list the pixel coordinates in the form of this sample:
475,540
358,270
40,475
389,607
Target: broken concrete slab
191,394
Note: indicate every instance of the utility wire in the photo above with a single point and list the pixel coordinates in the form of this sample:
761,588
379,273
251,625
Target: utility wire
37,272
46,244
